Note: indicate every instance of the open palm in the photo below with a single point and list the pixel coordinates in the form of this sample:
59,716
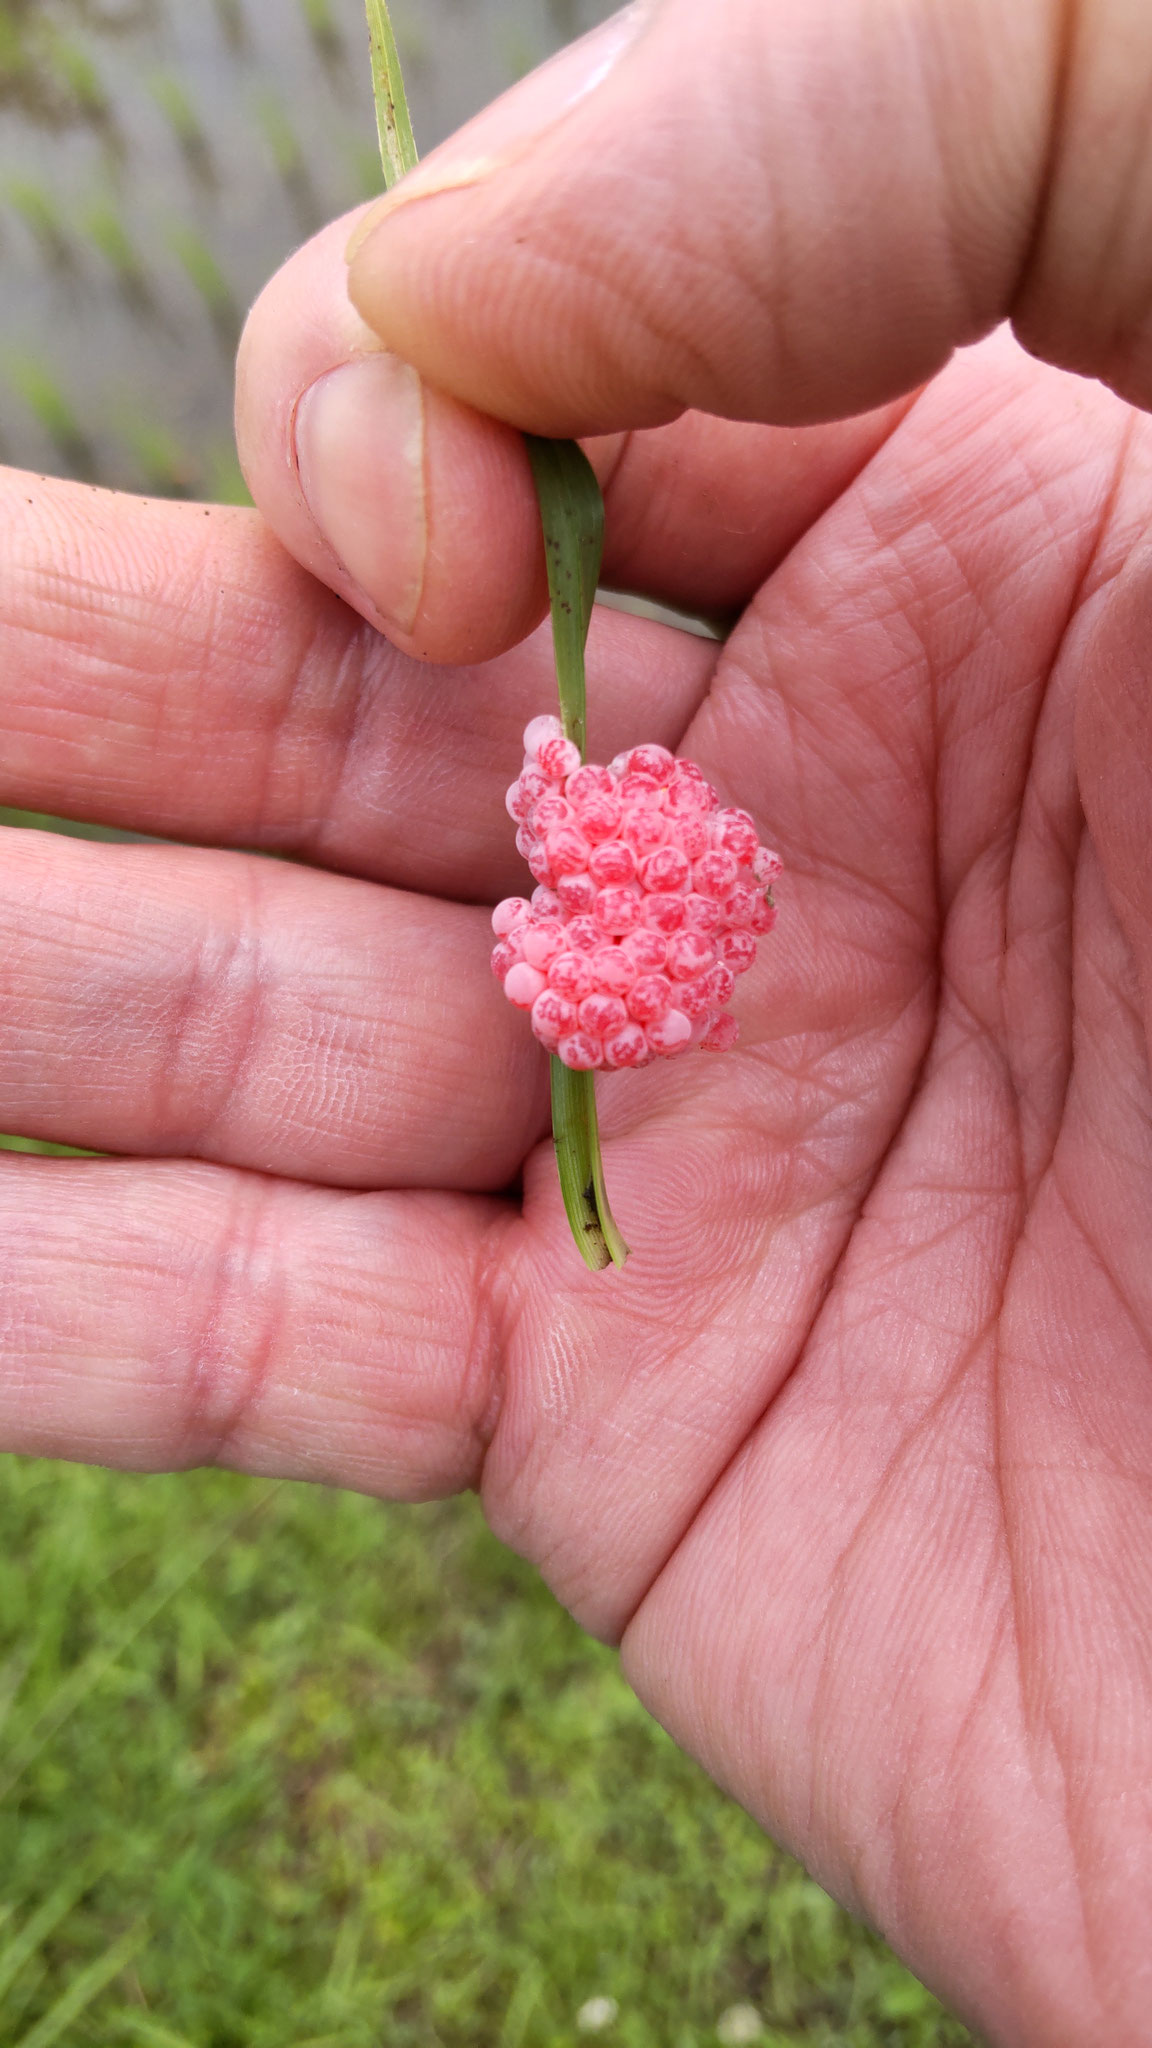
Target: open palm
854,1456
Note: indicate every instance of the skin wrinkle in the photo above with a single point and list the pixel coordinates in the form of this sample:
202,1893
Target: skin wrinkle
945,898
52,716
799,1347
868,1526
1026,1689
1034,1727
1036,1170
1065,15
642,1375
361,669
967,1733
225,1381
291,709
1123,996
734,671
1035,1699
489,1342
1097,1252
198,1001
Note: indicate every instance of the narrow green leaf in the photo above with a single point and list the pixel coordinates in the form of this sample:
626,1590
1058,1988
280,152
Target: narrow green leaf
393,123
572,517
576,1136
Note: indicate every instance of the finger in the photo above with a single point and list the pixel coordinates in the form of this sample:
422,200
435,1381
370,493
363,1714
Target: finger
160,1000
378,484
169,669
421,513
797,222
164,1316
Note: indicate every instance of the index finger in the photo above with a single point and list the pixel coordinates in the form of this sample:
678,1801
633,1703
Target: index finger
170,669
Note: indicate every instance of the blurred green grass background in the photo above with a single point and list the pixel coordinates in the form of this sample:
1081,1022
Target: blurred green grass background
281,1768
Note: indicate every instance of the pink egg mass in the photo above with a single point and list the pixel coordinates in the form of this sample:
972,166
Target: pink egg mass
649,902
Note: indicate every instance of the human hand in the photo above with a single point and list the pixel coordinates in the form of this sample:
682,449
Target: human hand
854,1456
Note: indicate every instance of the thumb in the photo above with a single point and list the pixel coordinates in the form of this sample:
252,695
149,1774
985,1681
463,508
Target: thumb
780,212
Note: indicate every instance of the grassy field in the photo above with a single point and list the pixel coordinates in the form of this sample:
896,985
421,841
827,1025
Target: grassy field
283,1768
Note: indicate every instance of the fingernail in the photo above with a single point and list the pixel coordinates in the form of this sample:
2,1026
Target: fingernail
510,126
360,459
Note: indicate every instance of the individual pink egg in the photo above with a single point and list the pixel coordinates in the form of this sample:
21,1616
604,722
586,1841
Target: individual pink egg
571,974
522,985
670,1032
513,910
580,1051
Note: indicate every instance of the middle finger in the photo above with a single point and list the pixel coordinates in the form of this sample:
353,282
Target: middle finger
168,1001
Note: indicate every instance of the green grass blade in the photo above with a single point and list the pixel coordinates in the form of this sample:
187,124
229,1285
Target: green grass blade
393,123
83,1989
87,1675
141,2027
42,1923
15,1669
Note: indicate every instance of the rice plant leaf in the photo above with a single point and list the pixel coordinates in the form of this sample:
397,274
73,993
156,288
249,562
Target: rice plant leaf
393,123
576,1137
572,518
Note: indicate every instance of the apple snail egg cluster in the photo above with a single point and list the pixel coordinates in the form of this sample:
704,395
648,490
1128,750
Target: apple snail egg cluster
649,902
